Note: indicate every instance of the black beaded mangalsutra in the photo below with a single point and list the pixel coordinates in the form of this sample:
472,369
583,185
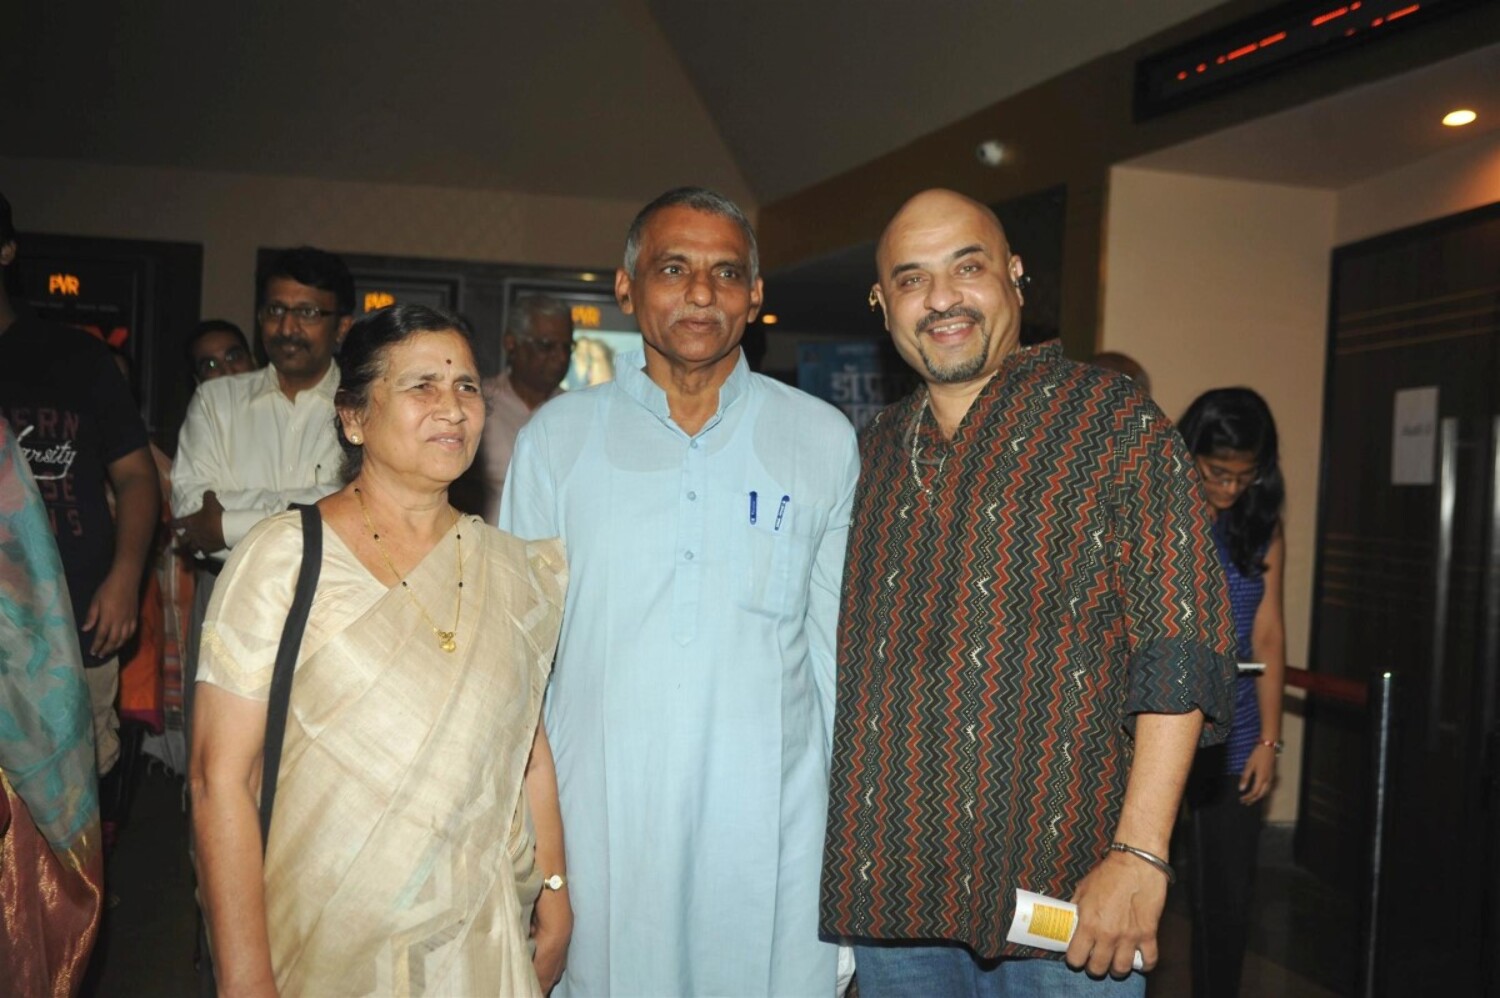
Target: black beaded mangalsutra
447,640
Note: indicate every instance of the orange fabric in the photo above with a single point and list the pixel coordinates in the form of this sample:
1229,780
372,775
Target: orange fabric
49,905
160,638
141,677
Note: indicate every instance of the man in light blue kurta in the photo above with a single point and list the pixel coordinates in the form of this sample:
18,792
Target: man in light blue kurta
691,705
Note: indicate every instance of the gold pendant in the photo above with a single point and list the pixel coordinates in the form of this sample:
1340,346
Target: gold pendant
446,642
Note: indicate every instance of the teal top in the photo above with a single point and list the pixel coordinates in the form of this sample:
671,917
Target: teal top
46,738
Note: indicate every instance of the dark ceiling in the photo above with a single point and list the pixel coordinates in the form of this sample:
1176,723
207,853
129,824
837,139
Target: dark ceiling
615,99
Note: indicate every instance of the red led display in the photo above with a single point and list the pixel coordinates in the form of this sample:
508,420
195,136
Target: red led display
1255,47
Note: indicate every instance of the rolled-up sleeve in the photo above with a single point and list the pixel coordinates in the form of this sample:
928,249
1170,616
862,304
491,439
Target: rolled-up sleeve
1175,596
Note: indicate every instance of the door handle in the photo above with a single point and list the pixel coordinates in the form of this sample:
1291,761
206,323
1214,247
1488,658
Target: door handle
1442,568
1489,642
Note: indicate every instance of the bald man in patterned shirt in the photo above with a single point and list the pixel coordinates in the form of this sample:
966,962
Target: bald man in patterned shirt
1035,638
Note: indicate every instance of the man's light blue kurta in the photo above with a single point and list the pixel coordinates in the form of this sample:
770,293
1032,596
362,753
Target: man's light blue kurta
691,707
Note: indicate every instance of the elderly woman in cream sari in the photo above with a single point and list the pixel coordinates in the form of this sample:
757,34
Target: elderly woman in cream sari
416,816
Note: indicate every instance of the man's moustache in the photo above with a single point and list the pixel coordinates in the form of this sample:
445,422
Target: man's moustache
701,315
933,318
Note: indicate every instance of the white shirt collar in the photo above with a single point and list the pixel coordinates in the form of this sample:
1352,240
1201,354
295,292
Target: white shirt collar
270,383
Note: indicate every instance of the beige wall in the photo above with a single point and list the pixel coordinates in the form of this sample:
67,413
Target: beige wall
1217,282
1212,282
233,215
1455,181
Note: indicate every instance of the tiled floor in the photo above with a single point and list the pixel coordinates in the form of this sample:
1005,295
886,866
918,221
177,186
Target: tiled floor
1303,940
1264,978
146,943
1302,944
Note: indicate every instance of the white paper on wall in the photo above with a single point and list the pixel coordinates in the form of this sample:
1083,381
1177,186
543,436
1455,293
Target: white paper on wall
1414,436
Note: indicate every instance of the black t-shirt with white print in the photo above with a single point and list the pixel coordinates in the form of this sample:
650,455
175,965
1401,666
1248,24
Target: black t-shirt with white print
72,411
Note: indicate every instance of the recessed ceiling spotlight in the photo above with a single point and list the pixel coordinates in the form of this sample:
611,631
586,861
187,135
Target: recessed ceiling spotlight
770,319
1463,116
990,152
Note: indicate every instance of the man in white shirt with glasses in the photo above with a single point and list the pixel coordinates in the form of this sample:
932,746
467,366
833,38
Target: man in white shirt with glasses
252,444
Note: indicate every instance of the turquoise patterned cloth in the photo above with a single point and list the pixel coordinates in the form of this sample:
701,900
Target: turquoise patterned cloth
46,739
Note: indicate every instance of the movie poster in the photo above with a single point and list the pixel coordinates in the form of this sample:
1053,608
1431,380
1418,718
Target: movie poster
851,375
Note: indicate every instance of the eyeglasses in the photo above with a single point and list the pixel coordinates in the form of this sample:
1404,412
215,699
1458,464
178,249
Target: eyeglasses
548,346
208,366
275,311
1224,479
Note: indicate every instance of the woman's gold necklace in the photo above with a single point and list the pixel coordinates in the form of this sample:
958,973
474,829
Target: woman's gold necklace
447,640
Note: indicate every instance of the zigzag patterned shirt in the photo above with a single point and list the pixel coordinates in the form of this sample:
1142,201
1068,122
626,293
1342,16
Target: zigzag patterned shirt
997,637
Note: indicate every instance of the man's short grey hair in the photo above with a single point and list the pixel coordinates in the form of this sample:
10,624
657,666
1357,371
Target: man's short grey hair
523,315
699,199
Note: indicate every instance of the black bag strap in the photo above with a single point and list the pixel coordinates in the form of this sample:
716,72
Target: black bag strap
286,662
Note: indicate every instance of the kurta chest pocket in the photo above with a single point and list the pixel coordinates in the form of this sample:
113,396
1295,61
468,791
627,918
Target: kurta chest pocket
773,552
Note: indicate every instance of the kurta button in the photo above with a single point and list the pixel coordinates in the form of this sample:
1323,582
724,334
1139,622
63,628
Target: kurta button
692,497
694,445
689,556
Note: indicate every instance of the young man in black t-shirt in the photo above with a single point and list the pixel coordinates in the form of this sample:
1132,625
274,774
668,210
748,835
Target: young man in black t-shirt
80,429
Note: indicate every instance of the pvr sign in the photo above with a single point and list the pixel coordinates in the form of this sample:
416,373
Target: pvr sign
63,284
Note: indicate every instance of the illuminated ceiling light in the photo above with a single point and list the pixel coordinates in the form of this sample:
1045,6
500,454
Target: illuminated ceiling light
1463,116
769,319
589,276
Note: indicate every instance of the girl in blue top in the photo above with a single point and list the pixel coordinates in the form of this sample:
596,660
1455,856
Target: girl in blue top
1233,440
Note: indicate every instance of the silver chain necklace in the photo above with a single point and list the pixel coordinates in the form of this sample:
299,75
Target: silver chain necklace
916,449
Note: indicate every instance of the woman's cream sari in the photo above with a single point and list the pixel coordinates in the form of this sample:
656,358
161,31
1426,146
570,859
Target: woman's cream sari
401,856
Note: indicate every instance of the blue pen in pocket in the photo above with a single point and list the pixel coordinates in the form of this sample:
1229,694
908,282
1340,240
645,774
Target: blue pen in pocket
752,507
781,511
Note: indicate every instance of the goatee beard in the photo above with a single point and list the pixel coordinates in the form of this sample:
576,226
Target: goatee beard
966,371
961,370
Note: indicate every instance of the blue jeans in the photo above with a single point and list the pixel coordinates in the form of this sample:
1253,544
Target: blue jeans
935,970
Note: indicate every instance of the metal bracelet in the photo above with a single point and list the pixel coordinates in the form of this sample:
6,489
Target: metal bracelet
1154,860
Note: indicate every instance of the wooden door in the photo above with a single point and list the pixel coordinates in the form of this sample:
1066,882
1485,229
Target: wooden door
1404,582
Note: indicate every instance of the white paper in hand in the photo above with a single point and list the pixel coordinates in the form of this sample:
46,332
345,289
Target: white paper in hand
1047,923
